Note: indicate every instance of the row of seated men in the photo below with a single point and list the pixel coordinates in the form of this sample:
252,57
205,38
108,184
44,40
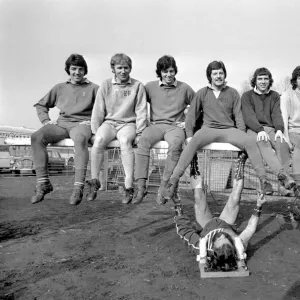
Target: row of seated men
259,122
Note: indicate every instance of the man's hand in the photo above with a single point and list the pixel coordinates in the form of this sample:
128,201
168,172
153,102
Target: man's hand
280,135
188,140
137,138
180,125
262,136
88,123
50,122
260,199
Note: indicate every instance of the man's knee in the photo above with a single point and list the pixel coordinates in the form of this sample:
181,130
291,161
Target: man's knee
175,148
37,137
80,139
125,142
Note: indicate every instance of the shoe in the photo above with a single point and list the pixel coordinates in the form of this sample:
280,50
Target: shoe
93,186
178,210
128,195
160,200
287,181
140,194
266,187
168,191
282,191
40,191
239,172
76,196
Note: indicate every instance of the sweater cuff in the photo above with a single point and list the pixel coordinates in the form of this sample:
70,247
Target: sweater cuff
189,133
279,127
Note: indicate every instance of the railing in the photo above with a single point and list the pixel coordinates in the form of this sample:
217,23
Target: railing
216,164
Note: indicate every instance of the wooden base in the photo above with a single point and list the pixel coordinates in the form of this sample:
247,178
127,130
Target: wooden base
237,273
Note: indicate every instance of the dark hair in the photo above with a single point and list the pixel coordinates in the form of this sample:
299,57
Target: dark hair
223,258
164,63
260,72
120,58
215,65
76,60
295,75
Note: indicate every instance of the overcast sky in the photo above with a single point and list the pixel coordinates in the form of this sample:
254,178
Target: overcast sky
37,36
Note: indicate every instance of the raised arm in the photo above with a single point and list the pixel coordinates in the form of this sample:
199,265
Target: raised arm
253,222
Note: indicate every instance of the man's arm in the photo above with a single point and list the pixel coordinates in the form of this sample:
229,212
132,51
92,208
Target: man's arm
237,112
253,222
276,114
141,110
249,114
193,114
190,94
285,110
99,109
42,107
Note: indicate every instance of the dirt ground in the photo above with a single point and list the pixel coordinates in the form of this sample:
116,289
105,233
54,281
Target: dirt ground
106,250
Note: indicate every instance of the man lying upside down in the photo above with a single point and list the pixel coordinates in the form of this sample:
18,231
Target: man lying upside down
219,245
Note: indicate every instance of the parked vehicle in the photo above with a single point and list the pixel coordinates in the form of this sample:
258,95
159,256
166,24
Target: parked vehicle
25,164
5,157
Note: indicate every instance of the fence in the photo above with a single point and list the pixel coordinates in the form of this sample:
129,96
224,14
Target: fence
217,163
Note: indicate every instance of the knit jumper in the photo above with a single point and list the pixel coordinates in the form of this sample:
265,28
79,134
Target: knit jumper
120,103
167,103
290,107
220,113
75,102
262,110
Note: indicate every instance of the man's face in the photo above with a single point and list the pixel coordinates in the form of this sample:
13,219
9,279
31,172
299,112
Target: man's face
298,82
76,74
122,72
262,83
168,75
217,78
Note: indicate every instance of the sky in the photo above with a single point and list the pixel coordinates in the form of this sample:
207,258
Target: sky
37,36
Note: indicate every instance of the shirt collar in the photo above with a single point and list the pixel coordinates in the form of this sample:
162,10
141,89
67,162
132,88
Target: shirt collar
259,92
163,84
212,88
84,81
115,81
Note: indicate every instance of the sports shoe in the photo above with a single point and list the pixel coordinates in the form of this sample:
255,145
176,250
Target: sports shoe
76,196
178,210
93,186
287,181
160,200
282,191
40,191
266,187
168,191
140,194
239,172
128,195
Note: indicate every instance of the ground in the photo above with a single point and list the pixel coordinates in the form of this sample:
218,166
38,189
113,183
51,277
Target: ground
106,250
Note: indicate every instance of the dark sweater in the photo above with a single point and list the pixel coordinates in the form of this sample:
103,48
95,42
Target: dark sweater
167,103
75,102
262,110
221,113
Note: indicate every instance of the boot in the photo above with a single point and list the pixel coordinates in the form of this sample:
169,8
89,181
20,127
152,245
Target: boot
160,200
287,181
168,192
76,196
93,186
128,195
141,193
266,187
40,191
239,172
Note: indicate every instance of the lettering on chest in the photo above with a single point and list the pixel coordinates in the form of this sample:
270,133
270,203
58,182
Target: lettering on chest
123,92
